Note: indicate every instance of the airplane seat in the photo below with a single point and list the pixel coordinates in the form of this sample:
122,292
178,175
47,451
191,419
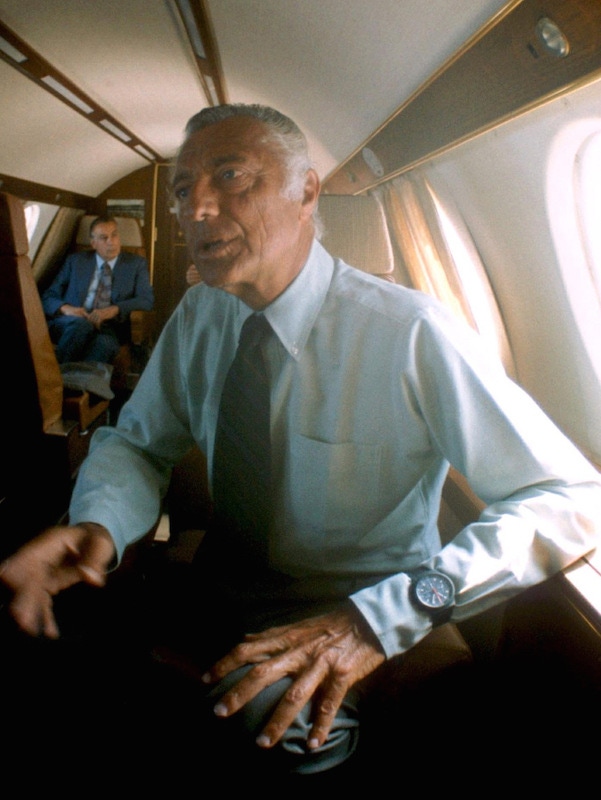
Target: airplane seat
134,352
18,285
47,426
130,233
354,229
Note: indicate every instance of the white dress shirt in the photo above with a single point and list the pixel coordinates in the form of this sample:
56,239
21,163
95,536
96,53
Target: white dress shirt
376,388
100,262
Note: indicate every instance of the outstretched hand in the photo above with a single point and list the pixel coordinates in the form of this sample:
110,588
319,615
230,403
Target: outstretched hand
325,655
55,560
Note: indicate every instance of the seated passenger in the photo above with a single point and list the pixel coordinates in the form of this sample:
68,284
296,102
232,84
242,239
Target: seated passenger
89,302
306,583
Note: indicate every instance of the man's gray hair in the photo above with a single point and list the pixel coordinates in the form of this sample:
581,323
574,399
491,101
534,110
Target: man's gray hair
282,131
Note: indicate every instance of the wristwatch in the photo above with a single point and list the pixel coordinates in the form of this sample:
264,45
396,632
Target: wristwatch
433,592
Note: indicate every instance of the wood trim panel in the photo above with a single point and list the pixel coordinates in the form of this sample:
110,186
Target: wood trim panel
28,190
504,71
37,69
208,64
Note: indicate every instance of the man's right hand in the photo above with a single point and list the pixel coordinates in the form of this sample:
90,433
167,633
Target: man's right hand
73,311
56,559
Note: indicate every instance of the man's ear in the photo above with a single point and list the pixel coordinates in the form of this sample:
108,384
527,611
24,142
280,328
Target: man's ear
310,193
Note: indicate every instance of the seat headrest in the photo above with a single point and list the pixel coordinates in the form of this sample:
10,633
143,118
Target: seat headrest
355,231
13,230
130,231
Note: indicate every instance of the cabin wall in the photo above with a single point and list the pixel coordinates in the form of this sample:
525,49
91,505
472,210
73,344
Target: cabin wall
164,241
505,184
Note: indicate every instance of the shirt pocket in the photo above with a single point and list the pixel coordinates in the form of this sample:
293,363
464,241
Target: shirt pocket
335,487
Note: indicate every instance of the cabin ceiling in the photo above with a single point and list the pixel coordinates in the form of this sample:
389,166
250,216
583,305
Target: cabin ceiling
340,68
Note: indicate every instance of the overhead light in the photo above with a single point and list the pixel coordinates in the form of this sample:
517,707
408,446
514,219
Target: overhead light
67,94
115,130
144,152
12,52
191,27
214,97
552,38
373,162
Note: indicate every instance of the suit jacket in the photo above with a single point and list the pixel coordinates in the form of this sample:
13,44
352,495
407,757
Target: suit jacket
131,289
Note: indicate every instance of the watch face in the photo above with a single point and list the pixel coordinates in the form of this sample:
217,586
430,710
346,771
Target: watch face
434,590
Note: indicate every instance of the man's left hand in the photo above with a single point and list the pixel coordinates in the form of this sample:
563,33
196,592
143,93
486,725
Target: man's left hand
100,315
325,655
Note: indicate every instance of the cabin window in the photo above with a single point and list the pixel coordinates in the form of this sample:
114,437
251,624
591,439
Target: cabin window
441,258
32,217
38,218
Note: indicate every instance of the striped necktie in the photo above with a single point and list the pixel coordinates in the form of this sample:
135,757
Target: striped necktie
102,298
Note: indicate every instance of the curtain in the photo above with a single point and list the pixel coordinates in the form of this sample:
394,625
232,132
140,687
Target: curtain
414,214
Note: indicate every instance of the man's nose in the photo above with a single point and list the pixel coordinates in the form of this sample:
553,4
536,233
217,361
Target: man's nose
204,202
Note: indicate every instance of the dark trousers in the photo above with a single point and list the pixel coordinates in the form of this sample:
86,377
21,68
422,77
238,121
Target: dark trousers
120,694
125,677
77,339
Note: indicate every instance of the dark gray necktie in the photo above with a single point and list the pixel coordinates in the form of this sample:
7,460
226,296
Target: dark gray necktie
242,455
102,298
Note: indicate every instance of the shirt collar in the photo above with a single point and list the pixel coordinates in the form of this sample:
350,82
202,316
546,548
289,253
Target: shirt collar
100,262
293,314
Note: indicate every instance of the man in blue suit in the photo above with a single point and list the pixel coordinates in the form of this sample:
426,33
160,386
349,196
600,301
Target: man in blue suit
89,302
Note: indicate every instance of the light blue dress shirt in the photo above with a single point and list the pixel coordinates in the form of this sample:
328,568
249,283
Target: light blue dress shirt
376,389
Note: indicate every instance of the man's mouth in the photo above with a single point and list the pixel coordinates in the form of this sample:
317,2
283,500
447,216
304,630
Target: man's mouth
212,247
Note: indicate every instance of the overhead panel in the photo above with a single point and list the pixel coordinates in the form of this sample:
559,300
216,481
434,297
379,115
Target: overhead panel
506,70
339,67
16,52
128,70
58,143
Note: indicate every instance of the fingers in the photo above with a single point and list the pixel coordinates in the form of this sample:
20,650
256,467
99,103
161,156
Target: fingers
95,318
327,696
325,656
315,680
55,560
96,551
32,611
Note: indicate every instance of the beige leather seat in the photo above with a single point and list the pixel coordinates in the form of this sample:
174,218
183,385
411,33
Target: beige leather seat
46,432
355,231
130,233
21,301
20,290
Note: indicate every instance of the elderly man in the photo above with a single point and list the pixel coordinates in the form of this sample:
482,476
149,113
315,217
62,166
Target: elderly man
89,302
324,559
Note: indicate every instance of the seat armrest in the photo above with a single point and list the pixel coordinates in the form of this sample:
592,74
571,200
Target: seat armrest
142,325
83,407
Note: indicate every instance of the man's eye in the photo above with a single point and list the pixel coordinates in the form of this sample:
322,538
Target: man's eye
230,174
181,192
